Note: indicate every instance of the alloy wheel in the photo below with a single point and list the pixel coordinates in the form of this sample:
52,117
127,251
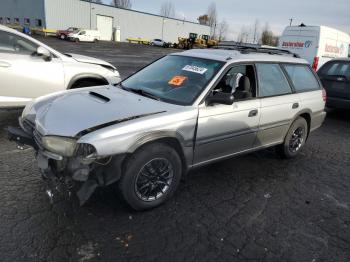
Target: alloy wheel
154,179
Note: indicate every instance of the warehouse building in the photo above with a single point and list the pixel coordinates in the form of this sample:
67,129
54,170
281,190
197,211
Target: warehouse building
113,23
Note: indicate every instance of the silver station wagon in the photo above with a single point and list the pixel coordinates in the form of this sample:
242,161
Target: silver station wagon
183,111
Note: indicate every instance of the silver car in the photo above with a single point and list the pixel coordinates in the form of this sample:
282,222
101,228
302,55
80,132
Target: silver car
183,111
29,69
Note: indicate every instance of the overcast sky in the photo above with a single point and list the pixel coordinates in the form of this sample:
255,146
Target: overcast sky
238,13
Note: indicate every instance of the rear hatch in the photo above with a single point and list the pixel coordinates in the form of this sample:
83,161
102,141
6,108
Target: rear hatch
335,77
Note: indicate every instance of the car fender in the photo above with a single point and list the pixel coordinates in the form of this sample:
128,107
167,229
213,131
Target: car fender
77,77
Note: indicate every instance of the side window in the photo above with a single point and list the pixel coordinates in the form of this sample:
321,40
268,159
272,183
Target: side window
239,81
82,33
344,70
302,77
10,43
272,81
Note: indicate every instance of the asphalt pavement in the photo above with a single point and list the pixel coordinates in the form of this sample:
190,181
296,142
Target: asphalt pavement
256,207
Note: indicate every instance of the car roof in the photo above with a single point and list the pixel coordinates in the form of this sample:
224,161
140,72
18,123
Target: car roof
341,59
225,55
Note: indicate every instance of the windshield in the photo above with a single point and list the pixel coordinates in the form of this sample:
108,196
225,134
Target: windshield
174,79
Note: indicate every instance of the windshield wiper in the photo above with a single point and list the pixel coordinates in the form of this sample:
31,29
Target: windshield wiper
140,92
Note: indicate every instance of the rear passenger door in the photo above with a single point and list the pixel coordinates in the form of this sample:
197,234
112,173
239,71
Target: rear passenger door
278,104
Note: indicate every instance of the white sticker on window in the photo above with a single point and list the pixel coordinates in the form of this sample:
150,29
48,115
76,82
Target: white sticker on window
195,69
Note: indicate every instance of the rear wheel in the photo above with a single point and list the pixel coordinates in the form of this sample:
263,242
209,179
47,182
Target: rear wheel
95,40
295,139
151,176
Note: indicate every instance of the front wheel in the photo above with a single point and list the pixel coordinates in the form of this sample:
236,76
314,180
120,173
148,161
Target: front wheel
151,176
295,139
63,37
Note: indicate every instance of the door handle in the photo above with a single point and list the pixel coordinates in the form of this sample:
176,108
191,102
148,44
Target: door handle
4,64
295,105
253,113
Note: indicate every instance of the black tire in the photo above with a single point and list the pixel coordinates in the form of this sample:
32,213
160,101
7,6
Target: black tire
76,40
62,37
294,140
95,41
138,173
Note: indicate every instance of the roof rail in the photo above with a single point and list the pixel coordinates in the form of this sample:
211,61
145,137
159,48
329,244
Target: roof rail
254,48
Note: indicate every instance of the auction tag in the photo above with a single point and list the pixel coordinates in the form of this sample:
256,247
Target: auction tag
195,69
177,80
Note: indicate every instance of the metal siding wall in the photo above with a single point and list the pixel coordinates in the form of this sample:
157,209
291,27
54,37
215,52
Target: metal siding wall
64,13
32,9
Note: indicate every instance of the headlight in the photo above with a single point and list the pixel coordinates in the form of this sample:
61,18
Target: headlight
60,145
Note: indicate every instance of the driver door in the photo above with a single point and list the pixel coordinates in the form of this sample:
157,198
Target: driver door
23,75
224,130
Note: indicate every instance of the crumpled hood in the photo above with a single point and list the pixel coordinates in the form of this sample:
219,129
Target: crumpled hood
77,112
89,60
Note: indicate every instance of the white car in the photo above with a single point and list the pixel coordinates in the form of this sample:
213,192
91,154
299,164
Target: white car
29,69
158,42
85,35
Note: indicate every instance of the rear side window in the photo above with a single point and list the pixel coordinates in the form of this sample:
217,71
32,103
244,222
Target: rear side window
272,81
302,77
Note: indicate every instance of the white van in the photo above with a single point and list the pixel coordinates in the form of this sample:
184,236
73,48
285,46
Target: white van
85,35
316,44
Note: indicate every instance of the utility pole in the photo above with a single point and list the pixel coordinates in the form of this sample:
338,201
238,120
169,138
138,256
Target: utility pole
90,14
290,21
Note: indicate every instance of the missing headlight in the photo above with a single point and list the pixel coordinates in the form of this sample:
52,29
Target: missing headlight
85,150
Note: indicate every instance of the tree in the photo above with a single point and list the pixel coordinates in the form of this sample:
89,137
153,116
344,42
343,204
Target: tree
256,33
212,18
167,9
267,37
243,35
222,30
122,3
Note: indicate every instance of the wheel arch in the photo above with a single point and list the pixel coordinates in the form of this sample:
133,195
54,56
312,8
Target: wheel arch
86,76
306,114
173,139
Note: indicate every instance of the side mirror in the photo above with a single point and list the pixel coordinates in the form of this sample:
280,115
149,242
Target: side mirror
44,53
220,98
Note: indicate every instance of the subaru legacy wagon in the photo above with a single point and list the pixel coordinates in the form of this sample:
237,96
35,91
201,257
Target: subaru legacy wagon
183,111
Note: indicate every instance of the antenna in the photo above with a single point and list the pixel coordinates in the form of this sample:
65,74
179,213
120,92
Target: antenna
290,21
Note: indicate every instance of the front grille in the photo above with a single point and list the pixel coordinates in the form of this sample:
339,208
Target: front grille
38,139
28,126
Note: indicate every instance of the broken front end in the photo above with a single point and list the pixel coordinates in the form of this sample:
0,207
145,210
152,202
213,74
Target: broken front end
67,167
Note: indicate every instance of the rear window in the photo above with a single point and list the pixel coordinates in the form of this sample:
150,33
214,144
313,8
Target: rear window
336,69
302,77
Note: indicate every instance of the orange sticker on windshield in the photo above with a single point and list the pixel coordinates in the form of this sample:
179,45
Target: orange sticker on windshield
177,80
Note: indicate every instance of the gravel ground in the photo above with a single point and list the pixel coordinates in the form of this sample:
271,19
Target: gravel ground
250,208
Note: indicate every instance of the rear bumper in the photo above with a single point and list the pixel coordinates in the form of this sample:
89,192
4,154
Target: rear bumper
317,120
335,102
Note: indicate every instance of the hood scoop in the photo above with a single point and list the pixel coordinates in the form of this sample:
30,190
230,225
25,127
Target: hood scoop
99,97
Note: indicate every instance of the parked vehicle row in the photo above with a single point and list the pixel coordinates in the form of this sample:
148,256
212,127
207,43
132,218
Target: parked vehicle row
183,111
29,69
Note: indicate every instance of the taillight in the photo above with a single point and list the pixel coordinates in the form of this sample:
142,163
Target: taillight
324,95
315,63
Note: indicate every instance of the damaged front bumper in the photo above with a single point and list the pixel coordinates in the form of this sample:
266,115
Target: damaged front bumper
66,176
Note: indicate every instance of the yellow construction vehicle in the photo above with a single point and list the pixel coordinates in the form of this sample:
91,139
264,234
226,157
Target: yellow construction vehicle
208,41
187,43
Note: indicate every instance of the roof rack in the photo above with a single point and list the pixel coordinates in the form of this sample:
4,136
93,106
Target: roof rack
253,48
